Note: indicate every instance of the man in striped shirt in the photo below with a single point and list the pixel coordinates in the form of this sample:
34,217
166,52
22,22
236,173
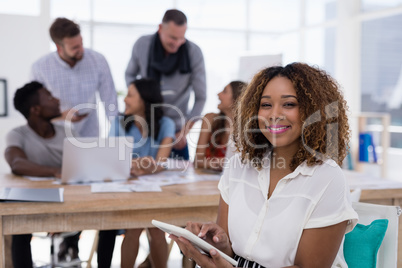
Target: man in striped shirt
75,76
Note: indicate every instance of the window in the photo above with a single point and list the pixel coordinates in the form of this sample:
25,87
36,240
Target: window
381,70
274,16
215,14
20,7
320,48
277,44
370,5
71,9
319,11
129,11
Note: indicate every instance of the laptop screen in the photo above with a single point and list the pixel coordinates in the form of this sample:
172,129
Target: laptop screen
96,159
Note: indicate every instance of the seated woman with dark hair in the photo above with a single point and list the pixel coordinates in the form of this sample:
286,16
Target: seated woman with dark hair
214,142
153,138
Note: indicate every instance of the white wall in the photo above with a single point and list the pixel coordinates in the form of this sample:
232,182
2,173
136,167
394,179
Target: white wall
23,40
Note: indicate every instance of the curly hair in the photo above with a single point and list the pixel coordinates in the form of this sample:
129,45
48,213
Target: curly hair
325,130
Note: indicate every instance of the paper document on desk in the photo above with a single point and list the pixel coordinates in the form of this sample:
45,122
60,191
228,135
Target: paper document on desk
176,164
144,186
31,178
110,188
209,177
135,186
32,194
167,178
177,177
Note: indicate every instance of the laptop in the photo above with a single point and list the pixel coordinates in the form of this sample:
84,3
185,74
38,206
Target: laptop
96,159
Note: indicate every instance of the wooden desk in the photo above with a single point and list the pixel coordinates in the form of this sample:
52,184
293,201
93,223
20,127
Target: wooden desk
83,210
177,204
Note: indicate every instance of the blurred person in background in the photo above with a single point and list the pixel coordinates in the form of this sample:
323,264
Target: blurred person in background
177,64
215,146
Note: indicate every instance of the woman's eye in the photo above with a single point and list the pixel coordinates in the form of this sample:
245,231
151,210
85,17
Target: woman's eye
290,104
265,105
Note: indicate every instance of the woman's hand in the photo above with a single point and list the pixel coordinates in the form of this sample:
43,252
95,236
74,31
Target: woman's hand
203,260
214,235
143,165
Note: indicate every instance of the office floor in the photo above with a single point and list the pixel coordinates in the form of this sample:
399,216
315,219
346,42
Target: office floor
41,256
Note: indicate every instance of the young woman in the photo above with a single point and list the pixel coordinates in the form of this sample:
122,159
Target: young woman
284,199
214,143
153,138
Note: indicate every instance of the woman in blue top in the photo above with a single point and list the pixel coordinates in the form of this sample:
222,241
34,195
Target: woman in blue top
153,139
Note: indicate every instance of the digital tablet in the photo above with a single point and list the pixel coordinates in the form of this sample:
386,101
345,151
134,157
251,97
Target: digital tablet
198,242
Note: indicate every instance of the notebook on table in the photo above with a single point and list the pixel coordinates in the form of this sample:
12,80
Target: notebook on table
14,194
96,159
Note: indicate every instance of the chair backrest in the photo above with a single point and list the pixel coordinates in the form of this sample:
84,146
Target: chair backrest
388,252
355,195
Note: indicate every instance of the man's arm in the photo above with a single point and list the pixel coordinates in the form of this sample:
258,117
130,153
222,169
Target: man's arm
107,91
198,82
133,66
20,165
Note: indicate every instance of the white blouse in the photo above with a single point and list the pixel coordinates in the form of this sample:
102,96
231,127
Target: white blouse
268,231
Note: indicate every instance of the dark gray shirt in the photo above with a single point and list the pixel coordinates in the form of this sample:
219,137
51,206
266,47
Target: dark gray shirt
176,88
45,152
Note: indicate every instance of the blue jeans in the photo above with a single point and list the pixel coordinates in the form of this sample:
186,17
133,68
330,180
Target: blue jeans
180,154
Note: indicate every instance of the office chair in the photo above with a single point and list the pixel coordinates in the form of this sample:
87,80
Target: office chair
388,252
54,262
355,195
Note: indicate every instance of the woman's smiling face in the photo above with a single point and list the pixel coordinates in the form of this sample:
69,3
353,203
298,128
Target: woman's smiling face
279,114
